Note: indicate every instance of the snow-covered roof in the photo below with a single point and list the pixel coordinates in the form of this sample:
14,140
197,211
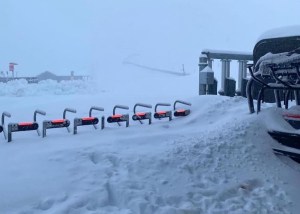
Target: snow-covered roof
222,54
281,32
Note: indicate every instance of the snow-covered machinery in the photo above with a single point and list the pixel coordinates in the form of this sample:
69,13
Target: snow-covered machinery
139,116
162,114
275,77
58,123
117,118
90,120
23,126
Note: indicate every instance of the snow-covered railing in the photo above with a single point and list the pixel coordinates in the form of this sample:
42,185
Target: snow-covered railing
227,83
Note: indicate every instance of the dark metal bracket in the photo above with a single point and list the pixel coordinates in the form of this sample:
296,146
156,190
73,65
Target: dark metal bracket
139,116
117,118
24,126
181,112
85,121
59,123
162,114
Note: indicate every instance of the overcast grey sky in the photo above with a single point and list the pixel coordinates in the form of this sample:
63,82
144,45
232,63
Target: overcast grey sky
90,36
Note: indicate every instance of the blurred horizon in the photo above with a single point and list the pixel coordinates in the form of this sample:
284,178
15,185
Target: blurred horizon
96,38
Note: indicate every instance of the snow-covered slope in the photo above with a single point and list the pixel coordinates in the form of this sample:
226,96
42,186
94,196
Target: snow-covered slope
216,160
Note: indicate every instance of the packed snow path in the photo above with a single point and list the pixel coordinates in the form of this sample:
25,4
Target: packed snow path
216,160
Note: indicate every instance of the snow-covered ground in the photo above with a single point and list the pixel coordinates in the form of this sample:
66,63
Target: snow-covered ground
216,160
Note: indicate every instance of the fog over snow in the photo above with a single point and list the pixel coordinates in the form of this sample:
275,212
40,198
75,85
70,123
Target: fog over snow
95,37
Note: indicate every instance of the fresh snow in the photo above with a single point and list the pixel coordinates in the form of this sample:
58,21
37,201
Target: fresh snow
281,32
216,160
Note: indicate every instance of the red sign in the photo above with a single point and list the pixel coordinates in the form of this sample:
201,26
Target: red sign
12,66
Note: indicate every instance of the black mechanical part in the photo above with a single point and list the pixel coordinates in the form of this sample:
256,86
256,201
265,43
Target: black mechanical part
20,127
139,116
86,121
286,139
181,112
54,124
118,118
59,123
162,114
23,126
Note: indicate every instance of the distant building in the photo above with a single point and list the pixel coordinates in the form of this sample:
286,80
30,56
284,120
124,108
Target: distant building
47,75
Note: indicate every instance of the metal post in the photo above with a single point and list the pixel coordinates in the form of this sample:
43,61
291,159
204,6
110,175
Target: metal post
240,77
34,118
227,68
97,109
223,77
245,69
210,61
4,114
297,97
68,110
9,133
102,122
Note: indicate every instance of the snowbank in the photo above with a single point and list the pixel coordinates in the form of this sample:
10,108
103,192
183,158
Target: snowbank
20,88
217,160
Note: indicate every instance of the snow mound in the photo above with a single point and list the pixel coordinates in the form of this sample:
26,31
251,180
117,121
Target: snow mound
216,160
21,88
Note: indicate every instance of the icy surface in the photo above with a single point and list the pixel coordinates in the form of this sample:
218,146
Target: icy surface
216,160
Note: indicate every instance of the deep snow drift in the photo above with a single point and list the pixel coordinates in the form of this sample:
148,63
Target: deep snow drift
216,160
